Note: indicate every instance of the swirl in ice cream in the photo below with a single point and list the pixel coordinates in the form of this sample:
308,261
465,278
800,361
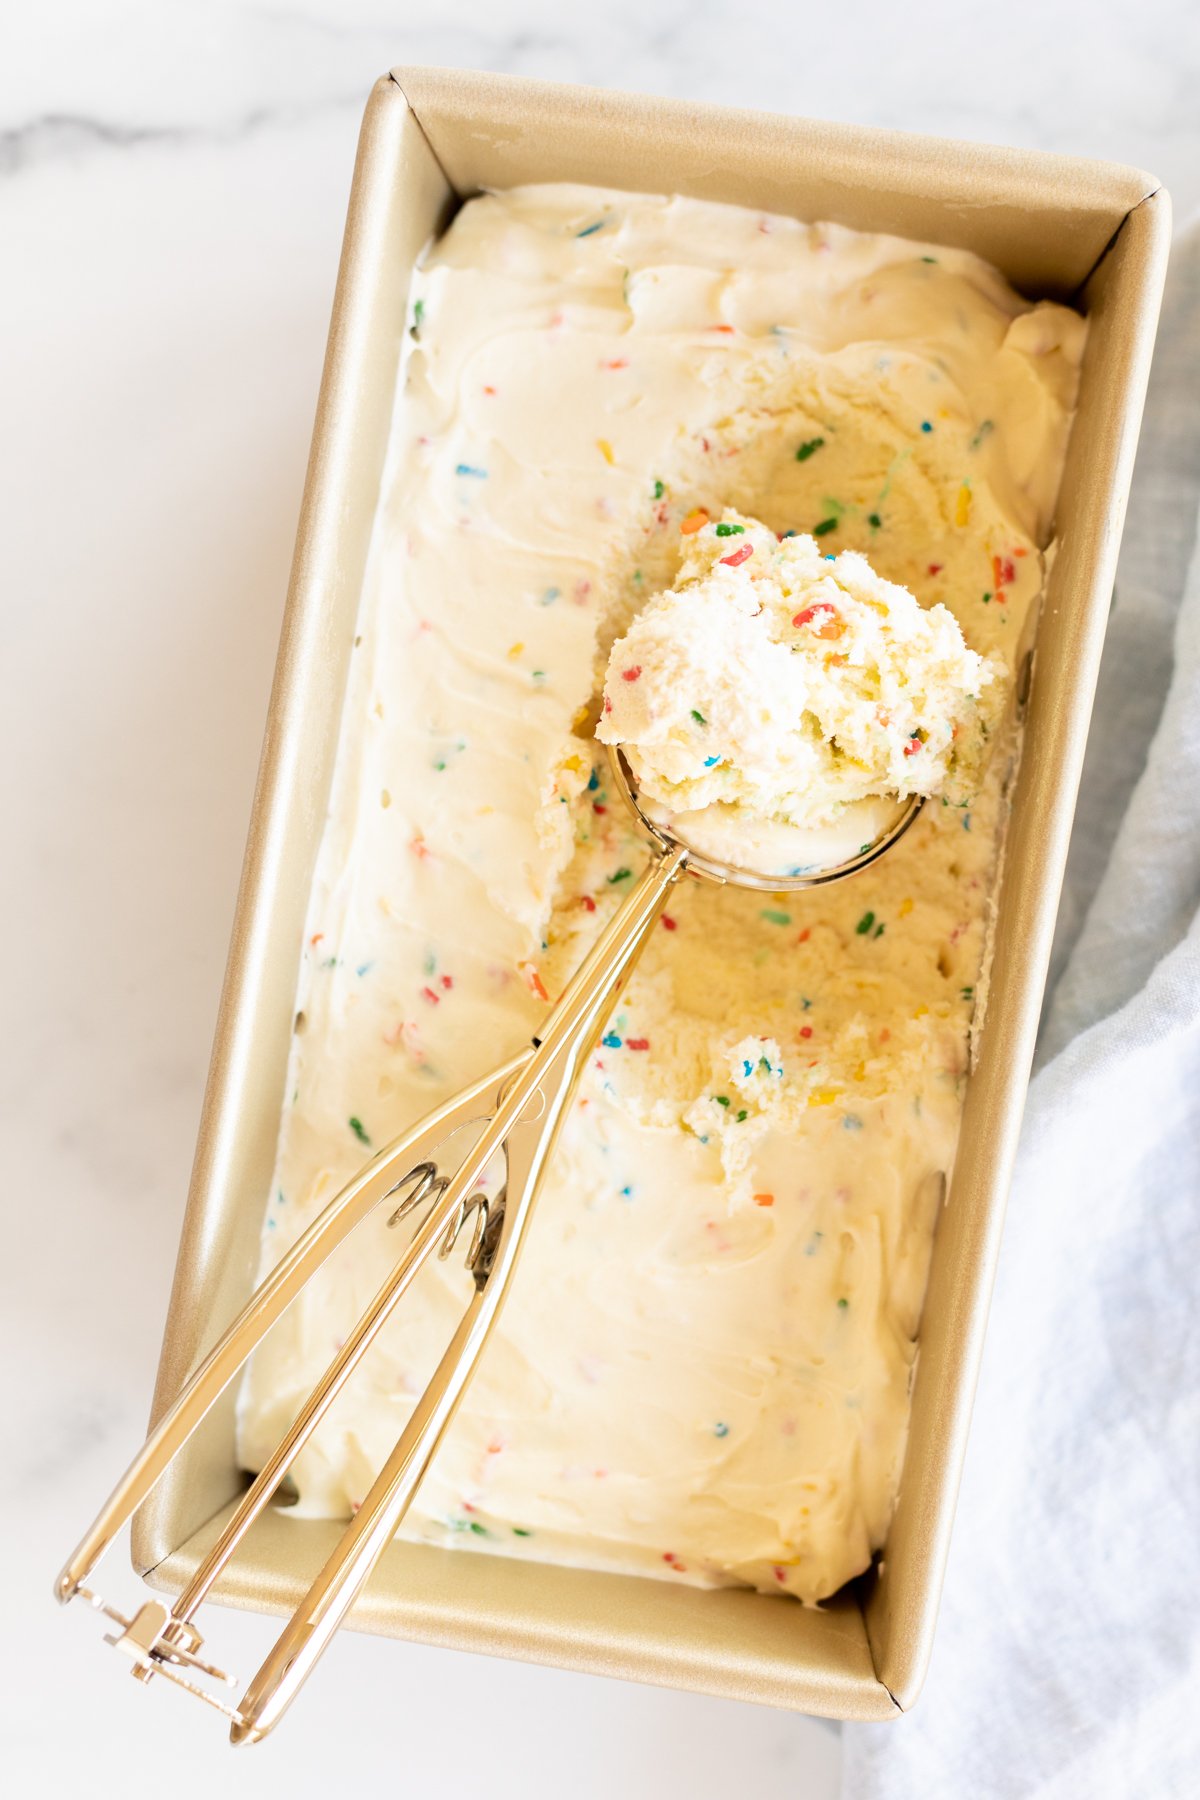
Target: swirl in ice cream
777,688
702,1372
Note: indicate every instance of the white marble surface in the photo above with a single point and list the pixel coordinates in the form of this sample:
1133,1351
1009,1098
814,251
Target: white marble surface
172,183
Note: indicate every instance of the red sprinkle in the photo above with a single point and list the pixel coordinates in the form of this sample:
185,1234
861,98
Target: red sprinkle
637,1043
912,746
669,924
633,673
587,903
738,557
607,704
779,1572
832,626
805,935
1004,571
597,808
806,1031
935,568
427,993
447,981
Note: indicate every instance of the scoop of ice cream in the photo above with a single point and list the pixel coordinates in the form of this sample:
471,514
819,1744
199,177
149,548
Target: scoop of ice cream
775,688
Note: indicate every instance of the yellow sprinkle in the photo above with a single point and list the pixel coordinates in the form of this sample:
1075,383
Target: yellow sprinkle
921,1012
573,762
582,717
905,908
385,799
605,449
823,1097
962,510
860,1074
514,650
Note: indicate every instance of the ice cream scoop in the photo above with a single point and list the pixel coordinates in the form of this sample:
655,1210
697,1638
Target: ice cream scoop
778,706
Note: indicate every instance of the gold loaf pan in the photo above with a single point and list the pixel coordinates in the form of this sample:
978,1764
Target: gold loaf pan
1093,233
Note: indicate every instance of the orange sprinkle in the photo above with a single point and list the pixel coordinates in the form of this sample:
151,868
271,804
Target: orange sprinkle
764,1199
726,330
533,980
694,521
316,937
488,390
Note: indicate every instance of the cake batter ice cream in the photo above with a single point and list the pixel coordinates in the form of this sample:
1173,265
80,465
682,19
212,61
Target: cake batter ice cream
702,1371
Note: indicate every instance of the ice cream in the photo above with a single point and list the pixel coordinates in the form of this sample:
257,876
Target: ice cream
702,1371
776,685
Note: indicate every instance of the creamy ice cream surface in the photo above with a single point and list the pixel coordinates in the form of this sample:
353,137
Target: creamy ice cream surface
702,1371
776,684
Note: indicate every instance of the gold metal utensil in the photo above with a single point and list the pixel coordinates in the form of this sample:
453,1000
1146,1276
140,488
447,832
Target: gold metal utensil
515,1111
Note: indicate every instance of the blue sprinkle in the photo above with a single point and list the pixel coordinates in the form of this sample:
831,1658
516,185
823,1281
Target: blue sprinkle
925,425
720,1429
588,229
829,557
626,1192
747,1068
710,762
468,469
966,822
788,534
550,595
852,1122
611,1041
814,1243
281,1198
365,968
270,1224
593,782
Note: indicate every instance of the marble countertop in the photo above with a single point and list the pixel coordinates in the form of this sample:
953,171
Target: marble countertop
173,179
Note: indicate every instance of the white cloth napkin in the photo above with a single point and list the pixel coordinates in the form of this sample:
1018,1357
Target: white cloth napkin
1067,1662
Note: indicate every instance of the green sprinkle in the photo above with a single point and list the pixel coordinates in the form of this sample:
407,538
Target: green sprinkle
967,993
874,520
825,526
931,259
414,330
521,1531
538,674
478,1529
775,918
843,1305
720,1429
440,764
985,430
356,1126
699,717
879,930
721,1099
659,491
987,599
742,1115
724,530
621,875
809,448
865,923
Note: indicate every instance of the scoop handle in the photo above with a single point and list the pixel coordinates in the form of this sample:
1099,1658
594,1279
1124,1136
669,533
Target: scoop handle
526,1132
